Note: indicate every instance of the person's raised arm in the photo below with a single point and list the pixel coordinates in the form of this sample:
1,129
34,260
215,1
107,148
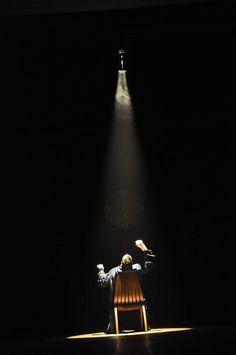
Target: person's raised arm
147,256
102,276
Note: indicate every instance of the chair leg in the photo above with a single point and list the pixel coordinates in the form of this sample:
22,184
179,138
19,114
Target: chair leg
144,318
141,317
116,320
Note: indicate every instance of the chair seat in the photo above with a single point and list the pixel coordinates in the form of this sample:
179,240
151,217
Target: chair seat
128,307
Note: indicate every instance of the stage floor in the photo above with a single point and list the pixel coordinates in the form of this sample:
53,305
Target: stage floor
162,341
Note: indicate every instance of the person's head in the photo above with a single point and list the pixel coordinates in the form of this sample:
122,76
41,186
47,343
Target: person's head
127,261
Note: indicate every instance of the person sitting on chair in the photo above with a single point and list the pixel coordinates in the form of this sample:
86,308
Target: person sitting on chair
127,265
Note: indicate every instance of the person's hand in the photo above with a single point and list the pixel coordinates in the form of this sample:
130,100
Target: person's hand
140,244
100,267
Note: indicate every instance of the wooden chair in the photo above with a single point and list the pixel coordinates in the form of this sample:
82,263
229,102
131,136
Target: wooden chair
129,297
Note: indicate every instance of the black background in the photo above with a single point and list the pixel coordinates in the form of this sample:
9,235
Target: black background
58,77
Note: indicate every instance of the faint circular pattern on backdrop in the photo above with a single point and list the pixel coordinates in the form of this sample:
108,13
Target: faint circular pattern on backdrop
124,208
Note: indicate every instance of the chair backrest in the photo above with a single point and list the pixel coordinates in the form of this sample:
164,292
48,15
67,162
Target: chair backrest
128,289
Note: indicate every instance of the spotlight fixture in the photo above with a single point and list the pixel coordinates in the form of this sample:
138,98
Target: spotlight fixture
121,56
